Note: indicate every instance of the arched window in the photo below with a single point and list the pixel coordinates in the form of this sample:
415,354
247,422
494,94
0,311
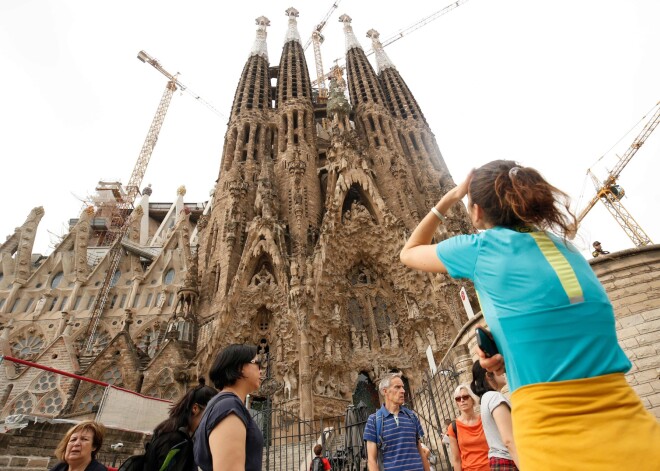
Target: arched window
57,279
46,381
91,399
169,276
115,278
23,404
51,404
366,394
113,376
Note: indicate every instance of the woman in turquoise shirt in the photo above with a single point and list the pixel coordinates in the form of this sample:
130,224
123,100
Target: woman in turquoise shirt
551,320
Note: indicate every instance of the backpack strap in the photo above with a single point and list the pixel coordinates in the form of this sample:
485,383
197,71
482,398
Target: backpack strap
413,419
455,429
379,428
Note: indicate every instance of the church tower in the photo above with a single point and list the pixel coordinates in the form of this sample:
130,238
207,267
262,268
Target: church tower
300,251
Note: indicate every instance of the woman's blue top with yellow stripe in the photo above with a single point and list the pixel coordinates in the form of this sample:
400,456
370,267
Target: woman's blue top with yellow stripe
549,314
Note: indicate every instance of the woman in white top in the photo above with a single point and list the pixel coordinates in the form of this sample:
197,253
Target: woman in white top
496,418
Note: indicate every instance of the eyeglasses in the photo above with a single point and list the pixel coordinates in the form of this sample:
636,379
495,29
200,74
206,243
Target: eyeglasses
462,398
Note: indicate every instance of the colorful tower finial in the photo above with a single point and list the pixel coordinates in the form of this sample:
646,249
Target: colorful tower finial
351,40
292,33
382,61
260,47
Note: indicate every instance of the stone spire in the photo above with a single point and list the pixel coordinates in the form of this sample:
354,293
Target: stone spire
400,100
260,48
293,77
253,91
351,40
382,60
363,84
292,33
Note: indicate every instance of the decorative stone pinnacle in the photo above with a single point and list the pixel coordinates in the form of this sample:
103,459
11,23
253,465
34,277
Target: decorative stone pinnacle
260,48
292,33
382,61
181,191
351,40
147,191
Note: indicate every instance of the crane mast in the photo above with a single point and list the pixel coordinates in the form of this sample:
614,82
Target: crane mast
132,190
610,193
321,77
317,39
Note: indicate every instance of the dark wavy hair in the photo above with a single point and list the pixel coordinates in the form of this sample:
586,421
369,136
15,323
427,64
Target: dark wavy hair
181,412
479,383
514,196
226,368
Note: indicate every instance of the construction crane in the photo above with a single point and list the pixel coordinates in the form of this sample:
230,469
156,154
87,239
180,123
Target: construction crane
125,203
398,35
610,193
317,39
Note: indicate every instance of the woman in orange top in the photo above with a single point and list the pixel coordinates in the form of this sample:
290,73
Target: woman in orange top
470,451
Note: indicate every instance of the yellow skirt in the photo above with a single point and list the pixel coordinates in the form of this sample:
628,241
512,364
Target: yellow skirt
596,423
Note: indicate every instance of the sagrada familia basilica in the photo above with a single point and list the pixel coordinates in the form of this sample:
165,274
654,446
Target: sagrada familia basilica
296,252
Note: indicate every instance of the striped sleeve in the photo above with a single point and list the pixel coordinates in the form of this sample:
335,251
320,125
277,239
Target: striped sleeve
370,429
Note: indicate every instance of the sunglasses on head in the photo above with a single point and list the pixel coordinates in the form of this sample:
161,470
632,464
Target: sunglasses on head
462,398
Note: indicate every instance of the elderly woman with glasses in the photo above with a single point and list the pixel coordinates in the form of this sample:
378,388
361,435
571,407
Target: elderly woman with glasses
227,437
176,431
467,441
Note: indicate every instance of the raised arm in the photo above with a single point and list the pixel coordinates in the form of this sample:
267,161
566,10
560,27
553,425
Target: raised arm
418,253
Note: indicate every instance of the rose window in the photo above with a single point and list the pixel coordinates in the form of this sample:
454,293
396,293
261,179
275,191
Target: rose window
27,346
44,382
51,404
91,399
113,376
22,405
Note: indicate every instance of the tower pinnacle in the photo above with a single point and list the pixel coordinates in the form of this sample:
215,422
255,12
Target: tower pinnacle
260,47
382,60
351,40
292,33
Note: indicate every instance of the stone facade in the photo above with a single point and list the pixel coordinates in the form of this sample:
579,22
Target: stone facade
312,206
297,252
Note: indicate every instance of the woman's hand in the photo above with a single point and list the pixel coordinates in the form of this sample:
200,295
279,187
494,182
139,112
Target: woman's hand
459,191
494,364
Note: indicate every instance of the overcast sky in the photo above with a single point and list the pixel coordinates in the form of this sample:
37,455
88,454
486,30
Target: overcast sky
552,84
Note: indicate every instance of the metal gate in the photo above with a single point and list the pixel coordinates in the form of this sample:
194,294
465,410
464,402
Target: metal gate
434,404
289,440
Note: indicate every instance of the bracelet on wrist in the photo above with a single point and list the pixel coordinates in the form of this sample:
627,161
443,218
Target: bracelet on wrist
438,214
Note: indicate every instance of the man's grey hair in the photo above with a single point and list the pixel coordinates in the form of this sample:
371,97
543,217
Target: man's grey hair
387,380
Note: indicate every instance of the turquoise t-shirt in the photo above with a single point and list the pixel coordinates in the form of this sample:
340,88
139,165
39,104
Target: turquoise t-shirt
549,314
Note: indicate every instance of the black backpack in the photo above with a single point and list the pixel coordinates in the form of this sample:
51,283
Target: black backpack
317,464
176,459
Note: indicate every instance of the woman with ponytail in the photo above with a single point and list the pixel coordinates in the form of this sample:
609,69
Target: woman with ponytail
176,431
550,317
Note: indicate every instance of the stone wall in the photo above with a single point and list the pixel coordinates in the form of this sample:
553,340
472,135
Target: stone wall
32,447
632,281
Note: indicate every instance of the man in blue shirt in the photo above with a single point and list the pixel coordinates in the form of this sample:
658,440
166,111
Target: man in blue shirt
394,431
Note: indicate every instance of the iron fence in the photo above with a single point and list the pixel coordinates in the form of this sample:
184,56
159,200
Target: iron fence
289,441
434,404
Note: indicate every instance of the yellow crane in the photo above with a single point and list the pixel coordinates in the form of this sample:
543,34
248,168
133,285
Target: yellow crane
125,204
321,77
610,193
316,39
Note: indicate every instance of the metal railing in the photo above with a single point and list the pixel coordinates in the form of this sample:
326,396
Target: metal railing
289,441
